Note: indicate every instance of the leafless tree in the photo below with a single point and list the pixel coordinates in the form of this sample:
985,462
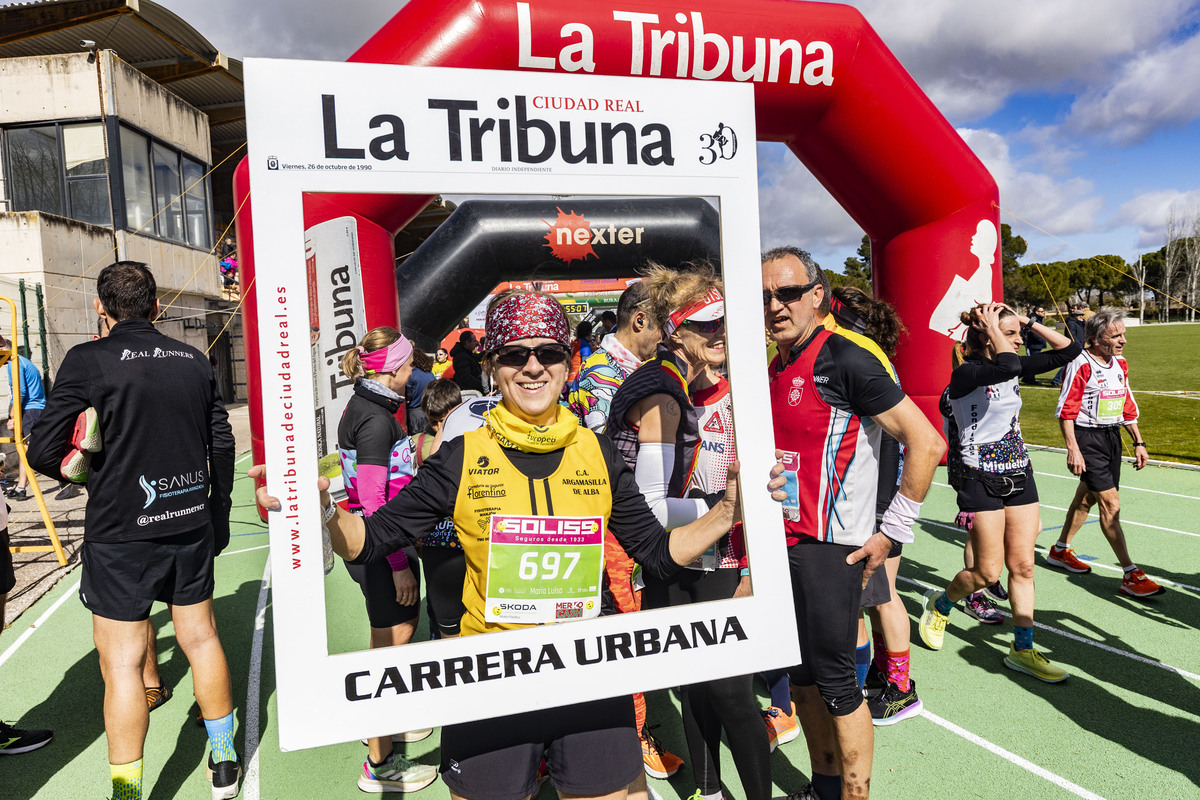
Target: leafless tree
1172,262
1191,252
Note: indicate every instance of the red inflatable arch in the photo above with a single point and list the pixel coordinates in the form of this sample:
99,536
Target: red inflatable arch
825,84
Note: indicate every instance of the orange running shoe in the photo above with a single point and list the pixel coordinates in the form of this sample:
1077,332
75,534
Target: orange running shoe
658,761
1065,559
1136,584
781,727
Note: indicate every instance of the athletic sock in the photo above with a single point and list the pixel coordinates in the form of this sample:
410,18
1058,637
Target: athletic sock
713,796
126,780
880,658
1022,637
1060,546
897,669
781,690
220,738
943,604
829,787
862,662
375,766
1130,568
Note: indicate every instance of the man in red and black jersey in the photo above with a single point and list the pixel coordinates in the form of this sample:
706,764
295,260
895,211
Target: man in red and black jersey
831,399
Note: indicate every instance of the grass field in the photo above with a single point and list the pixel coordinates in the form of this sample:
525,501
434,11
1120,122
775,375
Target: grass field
1162,358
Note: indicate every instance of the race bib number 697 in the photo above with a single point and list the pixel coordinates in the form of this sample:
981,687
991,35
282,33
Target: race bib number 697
544,569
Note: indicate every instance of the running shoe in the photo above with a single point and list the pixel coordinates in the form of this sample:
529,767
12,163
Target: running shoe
933,624
68,491
1065,559
17,740
1136,584
807,792
396,774
875,683
75,466
979,607
997,592
659,762
16,494
226,778
697,796
892,705
86,436
1031,662
781,726
157,695
409,736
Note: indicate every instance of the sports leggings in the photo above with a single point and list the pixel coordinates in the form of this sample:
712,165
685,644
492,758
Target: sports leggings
727,703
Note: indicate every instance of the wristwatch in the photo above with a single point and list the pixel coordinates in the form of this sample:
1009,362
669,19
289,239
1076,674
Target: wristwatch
330,510
1140,444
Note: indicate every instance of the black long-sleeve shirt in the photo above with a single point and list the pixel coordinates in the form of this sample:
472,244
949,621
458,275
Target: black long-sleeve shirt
166,466
431,495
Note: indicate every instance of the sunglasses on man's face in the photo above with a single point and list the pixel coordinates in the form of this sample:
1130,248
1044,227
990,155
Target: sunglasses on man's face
547,355
705,326
786,294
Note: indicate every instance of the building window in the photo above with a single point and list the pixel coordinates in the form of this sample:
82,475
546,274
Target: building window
86,172
164,185
59,169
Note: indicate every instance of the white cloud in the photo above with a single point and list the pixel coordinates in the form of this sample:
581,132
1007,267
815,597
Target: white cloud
795,209
1148,214
1061,207
1154,90
970,57
286,28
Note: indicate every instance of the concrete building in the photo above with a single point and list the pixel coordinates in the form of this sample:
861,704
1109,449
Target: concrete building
103,158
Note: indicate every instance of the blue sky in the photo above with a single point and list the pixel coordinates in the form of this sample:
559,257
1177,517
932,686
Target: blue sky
1087,112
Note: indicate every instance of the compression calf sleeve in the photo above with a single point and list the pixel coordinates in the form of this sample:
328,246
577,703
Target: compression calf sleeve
862,663
220,738
126,780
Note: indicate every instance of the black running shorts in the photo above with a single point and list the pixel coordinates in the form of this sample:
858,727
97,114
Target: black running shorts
973,497
876,592
379,590
8,576
445,571
121,580
827,593
590,749
1101,449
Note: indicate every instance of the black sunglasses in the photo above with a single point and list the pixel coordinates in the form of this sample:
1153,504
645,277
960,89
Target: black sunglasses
517,356
705,326
787,294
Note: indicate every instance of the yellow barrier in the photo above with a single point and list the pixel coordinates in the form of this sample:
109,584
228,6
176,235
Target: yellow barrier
18,440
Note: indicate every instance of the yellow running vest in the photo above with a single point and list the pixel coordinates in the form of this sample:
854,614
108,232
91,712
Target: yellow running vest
490,484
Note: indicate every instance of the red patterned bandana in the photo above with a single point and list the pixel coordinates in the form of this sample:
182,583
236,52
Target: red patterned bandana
526,316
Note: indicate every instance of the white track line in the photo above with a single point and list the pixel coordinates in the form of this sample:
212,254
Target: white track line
1097,516
1131,522
1013,758
1075,478
247,550
1082,639
39,623
252,736
1097,564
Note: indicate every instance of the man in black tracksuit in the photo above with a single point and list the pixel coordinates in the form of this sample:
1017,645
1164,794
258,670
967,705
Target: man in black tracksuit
157,511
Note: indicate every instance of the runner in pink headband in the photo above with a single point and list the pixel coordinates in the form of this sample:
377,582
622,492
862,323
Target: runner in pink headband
387,359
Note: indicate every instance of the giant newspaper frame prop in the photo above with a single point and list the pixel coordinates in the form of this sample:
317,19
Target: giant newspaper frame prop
366,128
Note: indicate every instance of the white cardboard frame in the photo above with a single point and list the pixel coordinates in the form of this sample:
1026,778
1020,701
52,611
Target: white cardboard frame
287,159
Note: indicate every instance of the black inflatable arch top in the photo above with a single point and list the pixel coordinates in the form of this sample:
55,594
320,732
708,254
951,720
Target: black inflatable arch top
485,242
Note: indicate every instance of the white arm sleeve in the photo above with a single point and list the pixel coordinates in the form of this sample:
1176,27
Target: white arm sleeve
653,473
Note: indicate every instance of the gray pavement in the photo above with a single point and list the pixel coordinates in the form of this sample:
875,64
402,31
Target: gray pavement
37,573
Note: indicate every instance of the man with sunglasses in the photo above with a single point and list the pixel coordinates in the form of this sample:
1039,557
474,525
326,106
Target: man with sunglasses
831,400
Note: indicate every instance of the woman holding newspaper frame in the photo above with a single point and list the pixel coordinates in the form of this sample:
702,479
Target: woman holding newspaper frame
594,751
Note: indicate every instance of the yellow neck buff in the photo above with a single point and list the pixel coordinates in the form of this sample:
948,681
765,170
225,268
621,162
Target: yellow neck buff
515,433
